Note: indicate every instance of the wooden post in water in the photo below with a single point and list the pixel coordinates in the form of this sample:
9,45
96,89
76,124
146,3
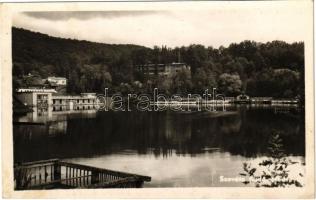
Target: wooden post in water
18,179
139,184
94,176
57,171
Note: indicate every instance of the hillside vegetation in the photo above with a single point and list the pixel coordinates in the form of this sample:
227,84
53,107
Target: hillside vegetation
259,69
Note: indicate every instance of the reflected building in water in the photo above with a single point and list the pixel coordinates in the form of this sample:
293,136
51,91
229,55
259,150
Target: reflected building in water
44,122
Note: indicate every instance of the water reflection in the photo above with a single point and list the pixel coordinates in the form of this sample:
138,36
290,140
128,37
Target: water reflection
202,170
205,143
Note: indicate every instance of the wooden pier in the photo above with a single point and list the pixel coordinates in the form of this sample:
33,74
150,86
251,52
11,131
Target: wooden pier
54,174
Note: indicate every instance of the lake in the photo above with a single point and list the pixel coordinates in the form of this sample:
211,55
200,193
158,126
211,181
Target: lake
177,149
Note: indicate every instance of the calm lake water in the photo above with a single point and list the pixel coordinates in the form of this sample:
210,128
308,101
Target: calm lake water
176,149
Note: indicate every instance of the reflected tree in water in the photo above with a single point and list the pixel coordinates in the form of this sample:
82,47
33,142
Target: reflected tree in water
274,171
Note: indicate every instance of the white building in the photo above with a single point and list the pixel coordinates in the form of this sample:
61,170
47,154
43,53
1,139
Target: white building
35,97
58,81
44,98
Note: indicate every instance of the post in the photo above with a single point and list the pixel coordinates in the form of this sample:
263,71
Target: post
57,171
94,177
139,183
18,178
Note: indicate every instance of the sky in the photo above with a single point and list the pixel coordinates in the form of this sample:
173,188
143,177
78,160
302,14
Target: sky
214,26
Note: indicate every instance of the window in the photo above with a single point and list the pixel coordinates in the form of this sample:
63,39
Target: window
42,100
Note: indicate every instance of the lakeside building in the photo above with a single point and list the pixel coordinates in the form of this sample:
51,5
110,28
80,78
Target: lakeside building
162,69
35,96
78,102
38,97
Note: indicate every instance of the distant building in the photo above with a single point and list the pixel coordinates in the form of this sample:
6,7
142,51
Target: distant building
242,97
89,94
162,69
57,81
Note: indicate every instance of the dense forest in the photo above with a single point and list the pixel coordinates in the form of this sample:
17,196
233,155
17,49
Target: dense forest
273,69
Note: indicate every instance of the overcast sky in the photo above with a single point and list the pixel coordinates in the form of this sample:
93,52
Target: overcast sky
212,27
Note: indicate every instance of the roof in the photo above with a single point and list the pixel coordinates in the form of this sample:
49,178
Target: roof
169,64
30,90
57,78
242,95
72,97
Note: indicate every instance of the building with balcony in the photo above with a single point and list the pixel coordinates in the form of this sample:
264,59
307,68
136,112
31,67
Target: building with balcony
44,98
162,69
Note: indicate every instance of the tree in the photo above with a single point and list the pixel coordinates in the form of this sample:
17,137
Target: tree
262,84
281,83
275,170
73,83
203,79
195,55
258,65
245,49
229,84
285,83
181,82
165,84
83,84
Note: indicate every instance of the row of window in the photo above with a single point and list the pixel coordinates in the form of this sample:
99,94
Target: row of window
63,108
60,101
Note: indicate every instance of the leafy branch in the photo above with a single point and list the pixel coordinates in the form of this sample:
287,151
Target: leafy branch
273,171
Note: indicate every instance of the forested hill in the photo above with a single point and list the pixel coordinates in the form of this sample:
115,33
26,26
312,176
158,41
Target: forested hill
43,55
274,68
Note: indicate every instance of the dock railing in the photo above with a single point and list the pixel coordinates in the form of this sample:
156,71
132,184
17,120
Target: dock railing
54,173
